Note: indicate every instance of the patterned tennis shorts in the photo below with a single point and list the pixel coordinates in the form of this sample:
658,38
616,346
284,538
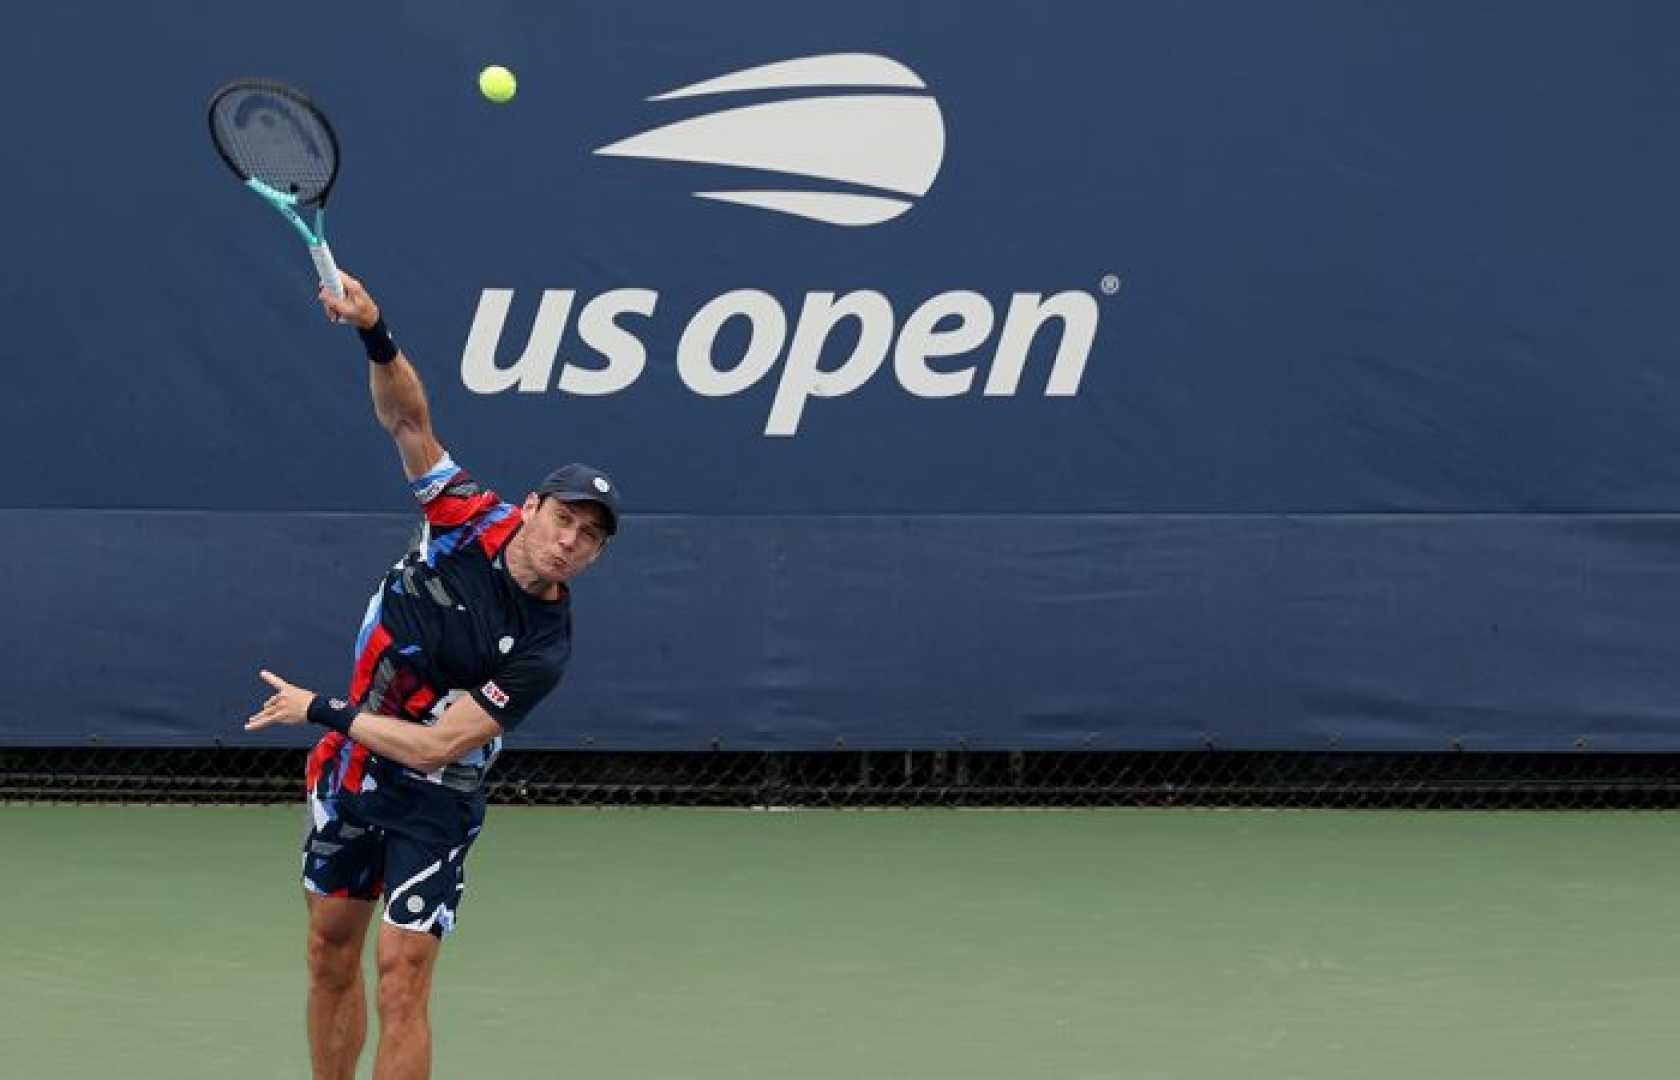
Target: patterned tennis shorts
408,844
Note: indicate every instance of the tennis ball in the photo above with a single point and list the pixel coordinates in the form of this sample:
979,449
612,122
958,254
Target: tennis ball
497,83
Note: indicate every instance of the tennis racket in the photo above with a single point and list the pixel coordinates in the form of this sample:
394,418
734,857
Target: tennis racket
280,144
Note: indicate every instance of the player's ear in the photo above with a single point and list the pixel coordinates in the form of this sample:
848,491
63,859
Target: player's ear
528,509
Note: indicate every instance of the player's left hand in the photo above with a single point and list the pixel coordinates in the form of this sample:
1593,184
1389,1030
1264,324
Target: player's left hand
289,705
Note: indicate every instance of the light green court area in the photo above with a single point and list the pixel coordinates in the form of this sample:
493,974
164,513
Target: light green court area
142,942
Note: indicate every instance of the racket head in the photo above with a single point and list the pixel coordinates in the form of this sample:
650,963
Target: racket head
268,131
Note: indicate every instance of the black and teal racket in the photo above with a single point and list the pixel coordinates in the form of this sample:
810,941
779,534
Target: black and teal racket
280,144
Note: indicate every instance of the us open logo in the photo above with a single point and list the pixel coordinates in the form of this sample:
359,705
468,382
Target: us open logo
883,142
859,150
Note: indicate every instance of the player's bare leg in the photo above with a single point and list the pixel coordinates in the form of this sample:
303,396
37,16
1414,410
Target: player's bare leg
337,1002
406,958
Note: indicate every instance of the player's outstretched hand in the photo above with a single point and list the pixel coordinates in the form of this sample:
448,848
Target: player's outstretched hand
355,307
290,704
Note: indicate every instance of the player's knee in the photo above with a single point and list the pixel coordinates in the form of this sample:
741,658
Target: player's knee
334,959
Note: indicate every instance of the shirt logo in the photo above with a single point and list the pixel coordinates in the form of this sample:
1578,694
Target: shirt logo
893,142
496,695
432,490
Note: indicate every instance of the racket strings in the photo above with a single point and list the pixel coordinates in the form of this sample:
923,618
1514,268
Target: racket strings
267,135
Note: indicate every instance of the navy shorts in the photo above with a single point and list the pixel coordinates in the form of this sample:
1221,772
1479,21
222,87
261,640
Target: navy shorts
406,841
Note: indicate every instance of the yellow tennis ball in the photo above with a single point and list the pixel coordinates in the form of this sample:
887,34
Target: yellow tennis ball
497,83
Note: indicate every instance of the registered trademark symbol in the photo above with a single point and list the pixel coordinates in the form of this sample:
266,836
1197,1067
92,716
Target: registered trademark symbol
1110,284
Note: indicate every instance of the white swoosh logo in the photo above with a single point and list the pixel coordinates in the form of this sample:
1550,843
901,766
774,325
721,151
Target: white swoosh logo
889,142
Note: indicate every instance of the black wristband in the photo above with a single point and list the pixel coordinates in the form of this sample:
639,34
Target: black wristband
376,339
331,713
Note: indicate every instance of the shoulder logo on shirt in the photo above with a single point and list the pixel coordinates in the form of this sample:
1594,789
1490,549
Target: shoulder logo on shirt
496,695
432,490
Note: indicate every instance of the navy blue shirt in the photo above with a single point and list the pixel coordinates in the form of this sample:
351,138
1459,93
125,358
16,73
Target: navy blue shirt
449,620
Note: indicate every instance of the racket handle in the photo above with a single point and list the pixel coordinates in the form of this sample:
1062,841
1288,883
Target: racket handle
327,269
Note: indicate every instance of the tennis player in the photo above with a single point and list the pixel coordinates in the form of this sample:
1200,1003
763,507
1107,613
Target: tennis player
465,634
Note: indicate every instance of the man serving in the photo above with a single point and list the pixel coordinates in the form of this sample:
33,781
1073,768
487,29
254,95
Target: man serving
463,637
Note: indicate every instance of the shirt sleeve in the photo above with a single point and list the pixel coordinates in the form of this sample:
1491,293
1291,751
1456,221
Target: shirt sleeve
450,497
521,682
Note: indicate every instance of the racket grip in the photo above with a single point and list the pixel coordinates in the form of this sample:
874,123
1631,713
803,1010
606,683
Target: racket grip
327,269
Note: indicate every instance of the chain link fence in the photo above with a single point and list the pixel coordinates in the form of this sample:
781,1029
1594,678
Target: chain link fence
902,778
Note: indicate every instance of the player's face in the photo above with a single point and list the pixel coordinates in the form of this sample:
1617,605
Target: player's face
562,538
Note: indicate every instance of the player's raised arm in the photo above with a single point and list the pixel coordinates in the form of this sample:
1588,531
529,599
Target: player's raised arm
399,399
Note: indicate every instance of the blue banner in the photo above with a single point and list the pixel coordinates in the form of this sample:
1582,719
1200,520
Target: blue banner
1038,375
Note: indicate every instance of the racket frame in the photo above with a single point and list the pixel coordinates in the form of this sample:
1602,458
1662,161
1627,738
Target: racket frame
285,203
316,238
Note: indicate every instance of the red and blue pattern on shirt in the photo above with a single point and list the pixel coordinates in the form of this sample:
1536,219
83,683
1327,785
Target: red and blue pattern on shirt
447,619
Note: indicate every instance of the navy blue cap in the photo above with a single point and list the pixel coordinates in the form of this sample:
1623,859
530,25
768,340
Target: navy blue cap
583,483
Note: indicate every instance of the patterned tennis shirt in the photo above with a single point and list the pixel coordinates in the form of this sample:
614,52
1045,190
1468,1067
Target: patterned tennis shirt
448,620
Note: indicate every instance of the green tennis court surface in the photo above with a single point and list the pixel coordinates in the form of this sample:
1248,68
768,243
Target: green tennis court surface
144,942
